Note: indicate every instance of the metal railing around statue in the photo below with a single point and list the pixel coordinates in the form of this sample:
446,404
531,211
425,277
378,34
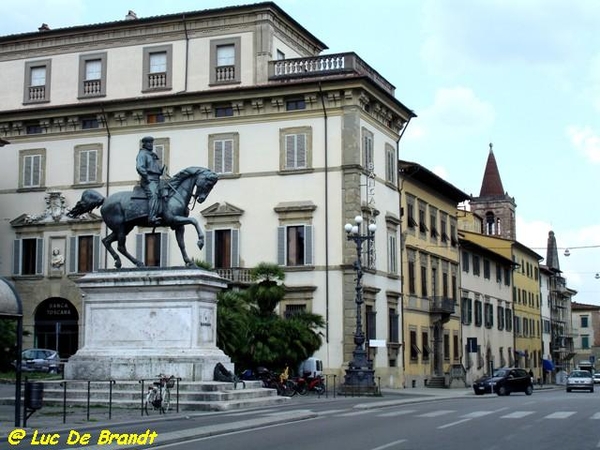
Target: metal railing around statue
64,384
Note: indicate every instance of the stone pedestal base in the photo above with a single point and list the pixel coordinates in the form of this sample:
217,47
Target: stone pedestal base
138,323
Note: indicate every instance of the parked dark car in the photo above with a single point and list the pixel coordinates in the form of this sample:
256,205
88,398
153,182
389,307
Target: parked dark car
580,379
504,381
40,360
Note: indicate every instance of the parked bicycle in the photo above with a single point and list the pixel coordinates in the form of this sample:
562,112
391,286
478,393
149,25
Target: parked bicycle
159,394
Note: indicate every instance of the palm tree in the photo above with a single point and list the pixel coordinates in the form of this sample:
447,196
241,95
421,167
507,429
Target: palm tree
253,334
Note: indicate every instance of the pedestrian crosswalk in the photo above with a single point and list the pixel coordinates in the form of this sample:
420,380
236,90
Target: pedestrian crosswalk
461,417
454,416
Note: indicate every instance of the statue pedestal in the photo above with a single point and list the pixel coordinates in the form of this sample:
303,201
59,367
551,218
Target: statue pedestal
138,323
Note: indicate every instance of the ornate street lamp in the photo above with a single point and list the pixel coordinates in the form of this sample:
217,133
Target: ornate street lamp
359,376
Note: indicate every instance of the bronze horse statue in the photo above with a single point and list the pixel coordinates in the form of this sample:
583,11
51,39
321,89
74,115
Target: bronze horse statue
122,211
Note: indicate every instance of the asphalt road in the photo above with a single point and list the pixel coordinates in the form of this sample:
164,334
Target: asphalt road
544,420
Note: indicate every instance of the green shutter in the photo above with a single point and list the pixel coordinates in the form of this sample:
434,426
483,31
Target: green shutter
139,247
72,254
17,257
39,253
235,248
281,246
96,258
164,247
308,245
209,239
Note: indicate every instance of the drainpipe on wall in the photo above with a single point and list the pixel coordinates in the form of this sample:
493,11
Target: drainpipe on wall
326,221
400,215
187,53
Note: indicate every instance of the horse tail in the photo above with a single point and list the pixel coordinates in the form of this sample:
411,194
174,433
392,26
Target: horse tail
90,200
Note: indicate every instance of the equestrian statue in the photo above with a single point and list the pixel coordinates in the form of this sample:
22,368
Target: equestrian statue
155,202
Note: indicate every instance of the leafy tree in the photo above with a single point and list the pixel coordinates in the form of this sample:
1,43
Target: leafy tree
253,334
8,341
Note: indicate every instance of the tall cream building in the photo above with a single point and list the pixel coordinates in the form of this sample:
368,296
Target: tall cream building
303,142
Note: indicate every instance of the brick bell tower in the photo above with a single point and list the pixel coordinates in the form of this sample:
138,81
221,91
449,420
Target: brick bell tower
494,205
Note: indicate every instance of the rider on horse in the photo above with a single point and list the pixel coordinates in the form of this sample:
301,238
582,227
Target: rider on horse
150,168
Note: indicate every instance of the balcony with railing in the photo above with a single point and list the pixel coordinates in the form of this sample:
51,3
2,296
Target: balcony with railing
326,65
236,275
441,305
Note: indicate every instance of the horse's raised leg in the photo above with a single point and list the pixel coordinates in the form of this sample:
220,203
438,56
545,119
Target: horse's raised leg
179,231
107,241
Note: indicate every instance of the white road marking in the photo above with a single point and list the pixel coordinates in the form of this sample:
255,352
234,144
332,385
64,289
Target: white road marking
441,412
475,414
517,415
448,425
596,416
560,415
356,413
390,444
397,413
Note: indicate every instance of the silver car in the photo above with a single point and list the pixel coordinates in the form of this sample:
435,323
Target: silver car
580,379
40,360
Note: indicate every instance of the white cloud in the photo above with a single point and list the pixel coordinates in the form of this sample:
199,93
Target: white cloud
586,140
455,113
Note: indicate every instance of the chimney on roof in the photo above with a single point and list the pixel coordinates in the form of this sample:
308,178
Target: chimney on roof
44,27
131,15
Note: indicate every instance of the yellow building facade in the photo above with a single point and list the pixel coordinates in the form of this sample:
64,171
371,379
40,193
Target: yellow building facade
430,267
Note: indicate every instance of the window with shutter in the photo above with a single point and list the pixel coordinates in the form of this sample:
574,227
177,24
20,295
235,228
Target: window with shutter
223,156
87,166
295,148
295,245
295,151
28,256
31,170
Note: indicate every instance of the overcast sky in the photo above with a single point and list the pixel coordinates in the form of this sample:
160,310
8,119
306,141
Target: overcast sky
522,74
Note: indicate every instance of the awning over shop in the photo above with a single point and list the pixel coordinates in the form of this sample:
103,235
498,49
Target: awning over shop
547,364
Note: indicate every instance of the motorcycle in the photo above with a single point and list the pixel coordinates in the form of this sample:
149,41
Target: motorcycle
308,383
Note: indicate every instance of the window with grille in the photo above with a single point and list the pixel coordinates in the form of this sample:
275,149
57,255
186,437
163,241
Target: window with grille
292,310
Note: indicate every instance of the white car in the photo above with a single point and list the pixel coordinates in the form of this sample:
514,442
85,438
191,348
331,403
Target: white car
580,379
597,378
